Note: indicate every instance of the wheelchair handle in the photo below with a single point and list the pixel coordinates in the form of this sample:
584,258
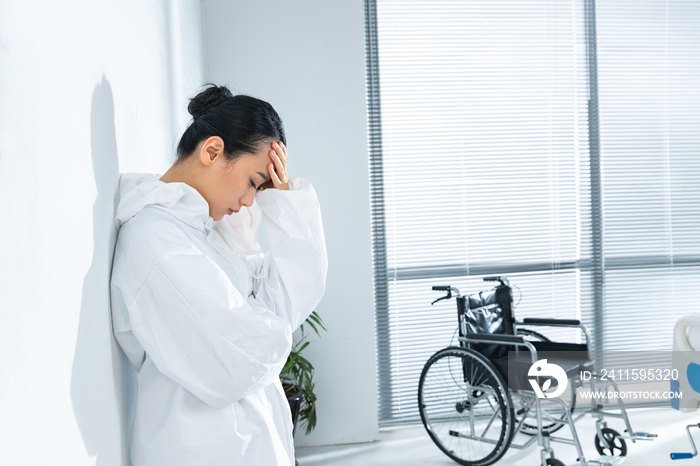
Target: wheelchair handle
442,288
504,281
449,290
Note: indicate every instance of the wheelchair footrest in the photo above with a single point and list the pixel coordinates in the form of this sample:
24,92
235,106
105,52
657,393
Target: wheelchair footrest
606,461
645,435
639,436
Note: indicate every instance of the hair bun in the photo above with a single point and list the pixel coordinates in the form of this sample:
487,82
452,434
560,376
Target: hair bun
210,97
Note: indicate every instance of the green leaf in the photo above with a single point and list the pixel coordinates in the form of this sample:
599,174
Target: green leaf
290,363
299,372
314,320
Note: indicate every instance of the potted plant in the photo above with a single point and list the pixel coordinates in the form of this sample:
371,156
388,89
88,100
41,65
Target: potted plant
297,378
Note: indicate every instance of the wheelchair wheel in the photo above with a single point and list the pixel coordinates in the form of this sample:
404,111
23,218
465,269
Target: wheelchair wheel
554,462
465,406
614,445
569,395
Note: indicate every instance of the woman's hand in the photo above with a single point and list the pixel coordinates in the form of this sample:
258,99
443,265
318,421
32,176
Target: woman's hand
278,168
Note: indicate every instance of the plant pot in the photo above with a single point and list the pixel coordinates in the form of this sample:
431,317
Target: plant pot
294,400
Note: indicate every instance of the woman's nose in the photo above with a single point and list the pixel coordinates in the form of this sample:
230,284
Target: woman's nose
247,200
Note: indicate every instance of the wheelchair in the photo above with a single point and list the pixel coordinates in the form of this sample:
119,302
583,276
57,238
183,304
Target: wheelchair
476,397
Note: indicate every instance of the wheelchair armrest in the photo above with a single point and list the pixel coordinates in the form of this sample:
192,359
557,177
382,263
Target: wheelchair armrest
559,323
501,340
505,339
555,322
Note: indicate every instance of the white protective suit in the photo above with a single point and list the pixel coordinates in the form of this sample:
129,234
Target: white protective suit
206,319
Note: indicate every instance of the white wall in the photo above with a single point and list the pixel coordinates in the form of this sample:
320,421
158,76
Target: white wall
87,90
307,59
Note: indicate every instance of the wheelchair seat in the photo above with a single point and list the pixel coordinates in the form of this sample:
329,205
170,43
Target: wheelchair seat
571,357
491,313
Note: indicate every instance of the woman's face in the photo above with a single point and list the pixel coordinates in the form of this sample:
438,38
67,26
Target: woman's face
232,185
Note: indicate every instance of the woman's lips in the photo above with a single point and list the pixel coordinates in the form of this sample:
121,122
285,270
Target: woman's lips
231,211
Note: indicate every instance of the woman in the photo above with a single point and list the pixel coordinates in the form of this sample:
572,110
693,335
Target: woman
204,317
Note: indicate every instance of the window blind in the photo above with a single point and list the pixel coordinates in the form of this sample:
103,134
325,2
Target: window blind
555,143
481,168
649,88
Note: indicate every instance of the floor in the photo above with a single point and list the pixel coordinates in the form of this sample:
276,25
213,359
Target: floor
411,446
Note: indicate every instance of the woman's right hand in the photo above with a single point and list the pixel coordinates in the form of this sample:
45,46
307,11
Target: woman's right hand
277,169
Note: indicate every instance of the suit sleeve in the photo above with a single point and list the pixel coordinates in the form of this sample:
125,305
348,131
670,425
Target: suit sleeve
201,332
297,263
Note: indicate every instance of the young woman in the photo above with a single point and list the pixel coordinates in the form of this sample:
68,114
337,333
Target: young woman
202,314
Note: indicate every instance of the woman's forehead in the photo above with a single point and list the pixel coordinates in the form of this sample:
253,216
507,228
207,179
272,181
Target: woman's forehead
256,164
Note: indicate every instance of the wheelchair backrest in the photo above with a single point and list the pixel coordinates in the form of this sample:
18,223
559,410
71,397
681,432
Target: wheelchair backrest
489,312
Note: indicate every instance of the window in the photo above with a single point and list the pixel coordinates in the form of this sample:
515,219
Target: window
501,143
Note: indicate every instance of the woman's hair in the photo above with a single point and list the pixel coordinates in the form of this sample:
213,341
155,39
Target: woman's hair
243,122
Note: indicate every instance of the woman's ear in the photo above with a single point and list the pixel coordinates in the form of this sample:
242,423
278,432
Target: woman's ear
211,149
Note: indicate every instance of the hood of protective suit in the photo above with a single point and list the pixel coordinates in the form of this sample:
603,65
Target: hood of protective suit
138,191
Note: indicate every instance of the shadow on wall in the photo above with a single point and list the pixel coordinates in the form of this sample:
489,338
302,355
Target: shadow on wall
102,383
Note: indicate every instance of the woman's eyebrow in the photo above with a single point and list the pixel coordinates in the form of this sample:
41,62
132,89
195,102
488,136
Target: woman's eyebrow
264,177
